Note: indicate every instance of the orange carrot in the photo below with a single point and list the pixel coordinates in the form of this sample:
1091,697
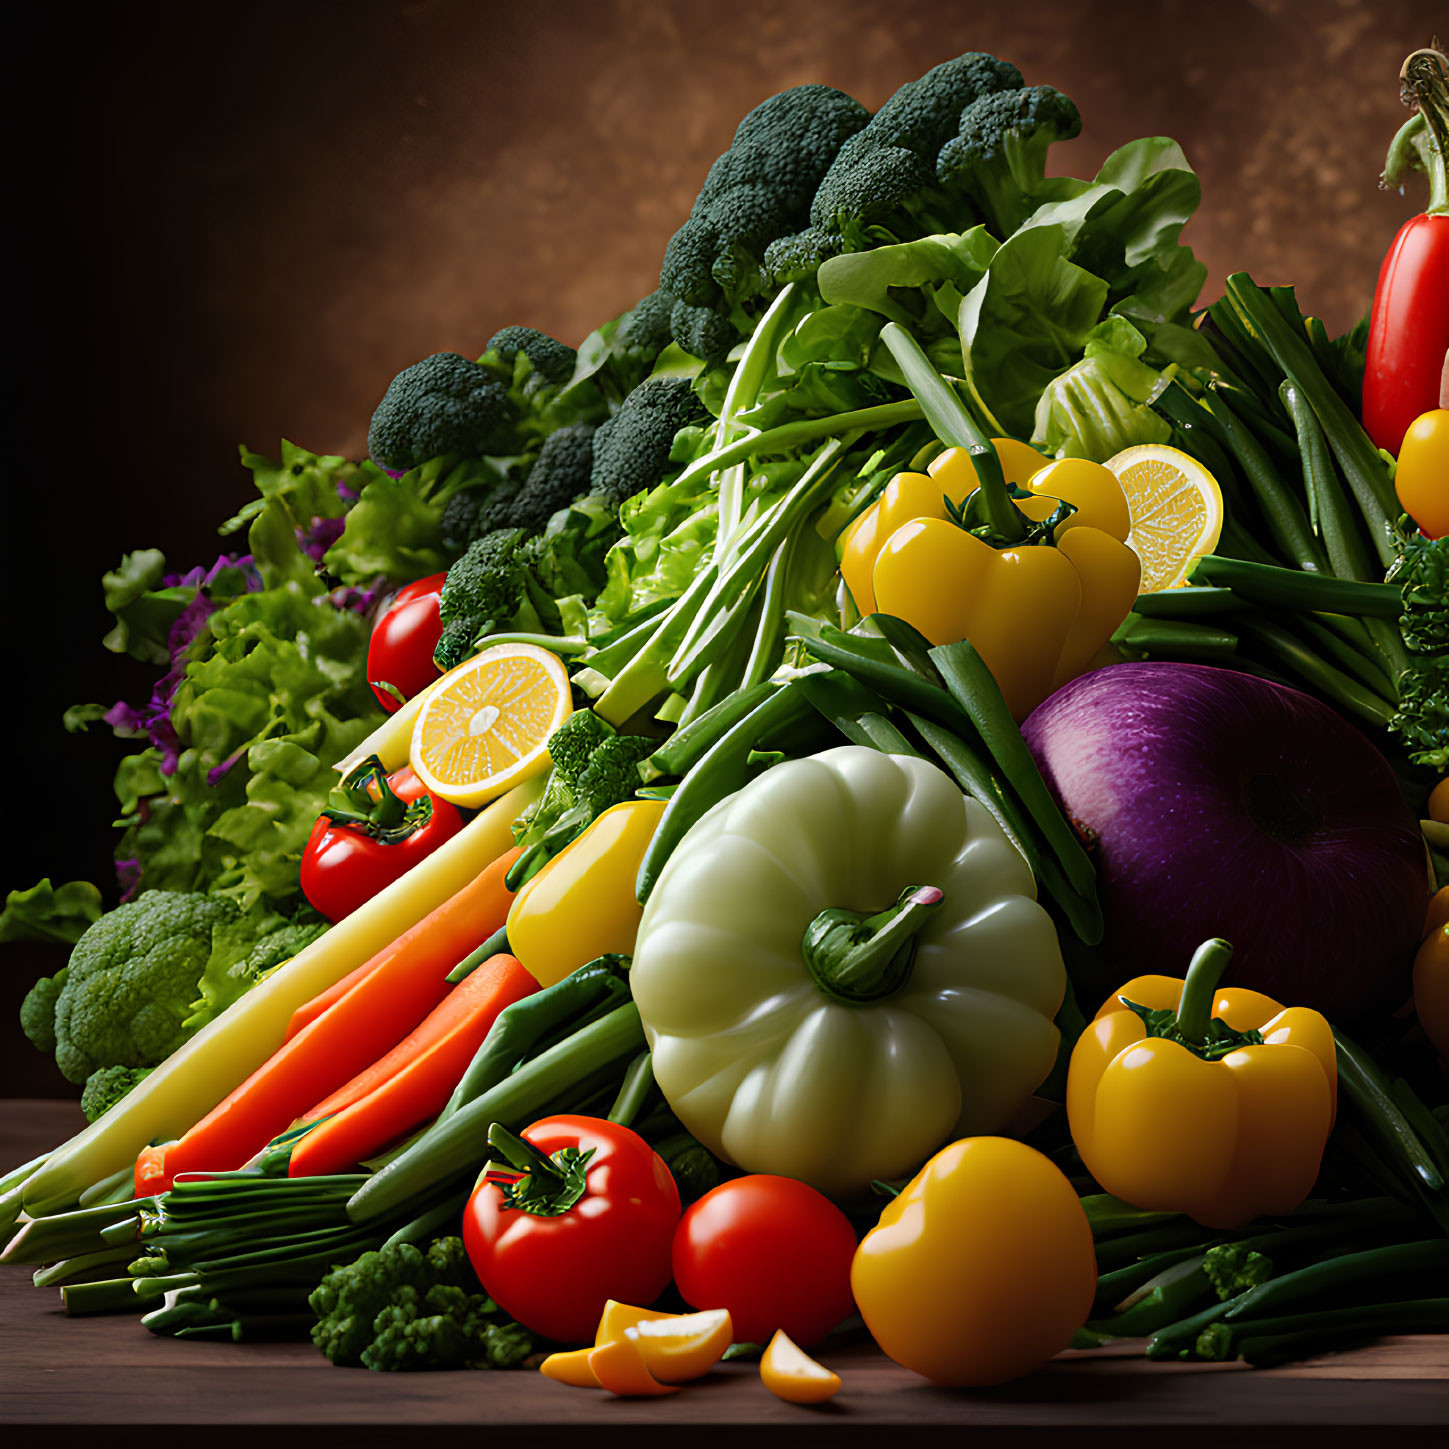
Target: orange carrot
462,1005
407,981
413,1082
311,1010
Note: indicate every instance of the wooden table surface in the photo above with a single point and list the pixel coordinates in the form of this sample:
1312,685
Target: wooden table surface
65,1379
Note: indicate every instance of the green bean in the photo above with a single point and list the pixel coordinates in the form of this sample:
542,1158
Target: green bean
1160,1301
634,1090
972,686
1109,1215
1369,1091
1337,1328
1176,638
1292,589
495,943
1281,509
1363,469
1341,1272
427,1225
1333,647
1334,515
80,1266
1189,603
1265,428
724,769
688,745
1287,650
521,1029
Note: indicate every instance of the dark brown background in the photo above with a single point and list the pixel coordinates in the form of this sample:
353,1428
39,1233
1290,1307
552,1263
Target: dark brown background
238,221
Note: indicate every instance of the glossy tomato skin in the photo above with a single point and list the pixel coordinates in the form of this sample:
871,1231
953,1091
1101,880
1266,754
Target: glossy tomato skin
341,867
400,651
772,1250
554,1274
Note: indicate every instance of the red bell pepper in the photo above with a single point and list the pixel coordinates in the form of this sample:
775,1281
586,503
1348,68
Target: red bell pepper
376,828
1408,345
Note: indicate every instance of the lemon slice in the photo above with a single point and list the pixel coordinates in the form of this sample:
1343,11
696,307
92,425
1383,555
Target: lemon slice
1176,509
791,1374
485,726
679,1349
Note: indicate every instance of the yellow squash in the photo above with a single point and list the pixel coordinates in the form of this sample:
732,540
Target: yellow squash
1036,614
1217,1104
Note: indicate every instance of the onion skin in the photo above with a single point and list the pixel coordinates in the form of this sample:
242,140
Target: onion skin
1169,766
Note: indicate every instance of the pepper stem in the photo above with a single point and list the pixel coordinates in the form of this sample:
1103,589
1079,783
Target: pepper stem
1423,140
854,958
1195,1009
547,1186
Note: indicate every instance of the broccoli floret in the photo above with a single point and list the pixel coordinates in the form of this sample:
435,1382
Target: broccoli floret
1233,1269
631,450
793,258
885,176
999,155
594,767
552,360
1422,573
643,333
560,474
760,189
130,982
37,1011
443,404
482,590
472,512
106,1087
399,1308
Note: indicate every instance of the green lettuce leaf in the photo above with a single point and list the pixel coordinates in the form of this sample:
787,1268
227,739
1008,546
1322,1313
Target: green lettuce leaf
45,914
1102,404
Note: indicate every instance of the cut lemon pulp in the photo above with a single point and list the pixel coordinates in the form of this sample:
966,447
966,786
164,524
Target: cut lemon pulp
486,724
1176,509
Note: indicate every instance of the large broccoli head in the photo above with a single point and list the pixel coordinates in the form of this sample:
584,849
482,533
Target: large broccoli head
631,450
884,178
759,189
130,983
443,404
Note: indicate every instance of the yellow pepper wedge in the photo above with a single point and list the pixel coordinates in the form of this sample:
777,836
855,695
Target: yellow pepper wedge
581,905
1037,615
1212,1103
1431,984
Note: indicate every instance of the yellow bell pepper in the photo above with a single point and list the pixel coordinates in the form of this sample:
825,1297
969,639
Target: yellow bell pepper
581,905
1421,478
981,1268
1036,614
1431,976
1217,1104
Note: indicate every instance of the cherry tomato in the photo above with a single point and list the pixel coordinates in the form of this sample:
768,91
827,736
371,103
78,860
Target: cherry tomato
772,1250
400,652
588,1215
376,828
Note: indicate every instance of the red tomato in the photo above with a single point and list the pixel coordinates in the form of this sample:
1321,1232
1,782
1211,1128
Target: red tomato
400,652
773,1251
554,1272
353,853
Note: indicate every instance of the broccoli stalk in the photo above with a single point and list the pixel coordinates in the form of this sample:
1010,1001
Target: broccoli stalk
593,768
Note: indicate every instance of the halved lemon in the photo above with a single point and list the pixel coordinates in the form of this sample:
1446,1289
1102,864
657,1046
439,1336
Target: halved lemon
485,726
1176,509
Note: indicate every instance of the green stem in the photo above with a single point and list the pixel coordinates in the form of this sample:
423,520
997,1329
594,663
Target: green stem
956,428
638,1083
1199,988
857,959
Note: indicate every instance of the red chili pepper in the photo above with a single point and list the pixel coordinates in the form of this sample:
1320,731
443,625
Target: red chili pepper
589,1215
376,828
1408,345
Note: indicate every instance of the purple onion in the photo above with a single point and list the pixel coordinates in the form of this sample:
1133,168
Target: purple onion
1225,805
